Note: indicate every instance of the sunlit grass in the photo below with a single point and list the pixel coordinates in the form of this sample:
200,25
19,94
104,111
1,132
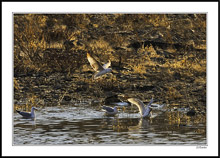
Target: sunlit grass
139,69
100,45
39,47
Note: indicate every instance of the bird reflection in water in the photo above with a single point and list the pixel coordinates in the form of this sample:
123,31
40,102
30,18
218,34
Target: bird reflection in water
33,123
142,124
135,124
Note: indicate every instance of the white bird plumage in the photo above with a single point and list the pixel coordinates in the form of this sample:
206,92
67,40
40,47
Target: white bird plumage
144,111
100,70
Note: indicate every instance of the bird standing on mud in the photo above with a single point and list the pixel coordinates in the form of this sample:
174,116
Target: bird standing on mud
100,70
144,111
28,114
110,111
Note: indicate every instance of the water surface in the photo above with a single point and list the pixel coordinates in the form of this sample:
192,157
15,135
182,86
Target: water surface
87,125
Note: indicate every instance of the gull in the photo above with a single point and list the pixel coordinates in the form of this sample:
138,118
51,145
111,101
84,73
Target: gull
122,104
110,111
144,111
100,70
28,114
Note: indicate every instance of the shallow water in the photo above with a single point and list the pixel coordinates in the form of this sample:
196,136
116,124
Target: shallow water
88,125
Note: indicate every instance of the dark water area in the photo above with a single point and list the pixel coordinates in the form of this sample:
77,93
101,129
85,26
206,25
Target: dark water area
86,125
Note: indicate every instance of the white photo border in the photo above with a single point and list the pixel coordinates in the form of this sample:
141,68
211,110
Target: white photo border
210,8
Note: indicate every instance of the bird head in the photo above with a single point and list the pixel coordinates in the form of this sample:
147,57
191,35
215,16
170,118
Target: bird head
34,108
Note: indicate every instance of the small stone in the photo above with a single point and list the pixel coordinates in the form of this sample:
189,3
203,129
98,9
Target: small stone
67,98
191,113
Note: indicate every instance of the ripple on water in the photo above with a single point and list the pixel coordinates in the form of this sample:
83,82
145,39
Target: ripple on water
88,125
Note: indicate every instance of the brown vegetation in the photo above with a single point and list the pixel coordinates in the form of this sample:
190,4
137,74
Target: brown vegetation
153,55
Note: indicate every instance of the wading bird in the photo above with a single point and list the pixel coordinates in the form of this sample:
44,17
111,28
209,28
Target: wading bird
100,70
144,111
28,114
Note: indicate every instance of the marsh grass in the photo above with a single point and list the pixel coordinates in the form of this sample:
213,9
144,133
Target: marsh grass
31,101
141,47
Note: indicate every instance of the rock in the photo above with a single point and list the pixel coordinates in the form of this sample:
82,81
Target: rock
112,99
177,75
67,98
145,88
191,113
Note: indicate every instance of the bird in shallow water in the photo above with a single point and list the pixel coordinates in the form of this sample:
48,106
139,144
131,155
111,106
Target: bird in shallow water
144,111
100,70
28,114
110,111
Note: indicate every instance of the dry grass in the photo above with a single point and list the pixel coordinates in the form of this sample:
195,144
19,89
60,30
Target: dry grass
31,101
16,84
35,32
100,46
139,69
36,36
173,93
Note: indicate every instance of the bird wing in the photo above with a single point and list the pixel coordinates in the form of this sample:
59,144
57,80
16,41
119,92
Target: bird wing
138,103
102,72
24,114
121,103
149,104
94,63
99,73
148,108
105,66
108,109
